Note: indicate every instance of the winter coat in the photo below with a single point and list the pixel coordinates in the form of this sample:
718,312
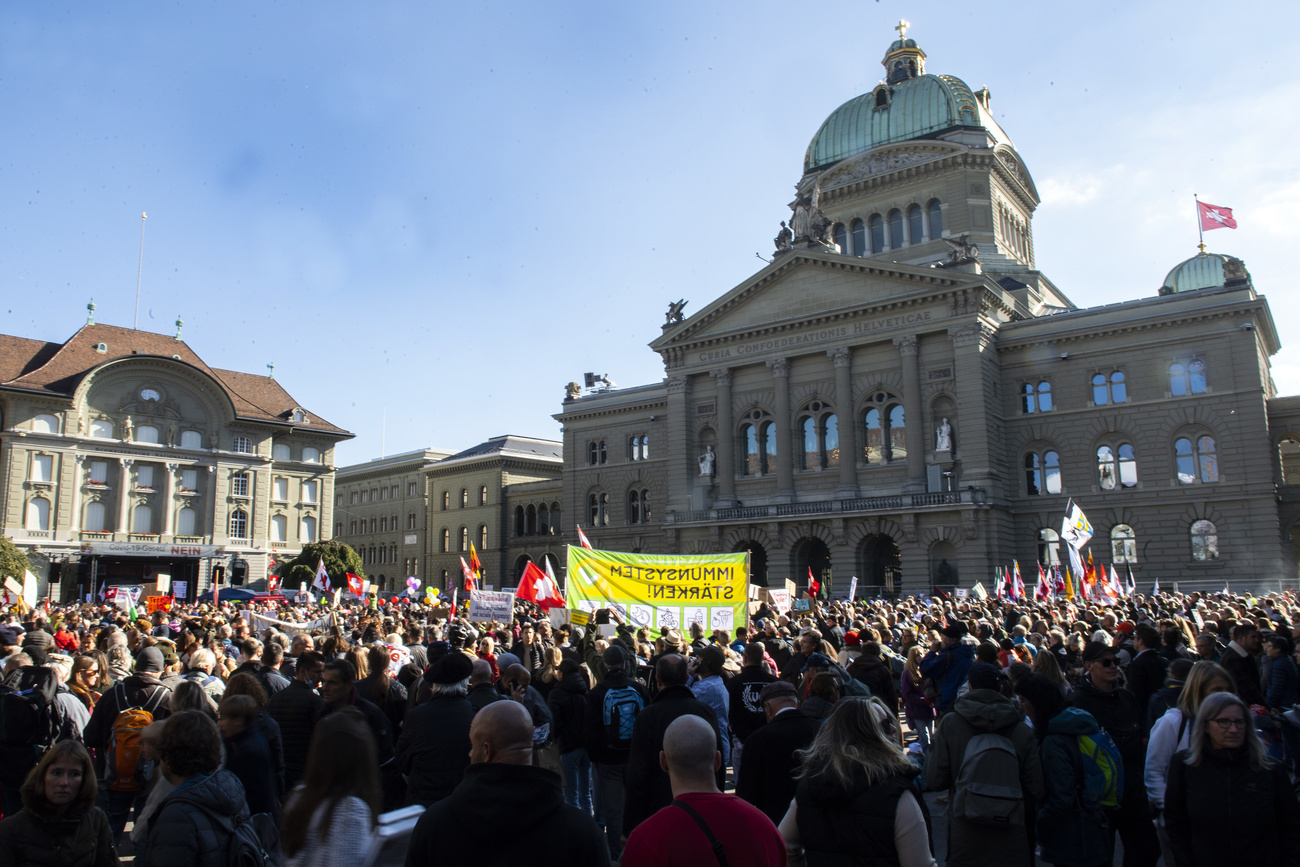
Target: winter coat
915,705
851,825
1244,669
594,721
878,677
139,692
184,831
1283,683
1225,812
982,711
80,840
1068,836
568,703
1145,675
483,694
745,712
768,763
248,756
503,815
295,709
1118,712
646,787
433,750
948,667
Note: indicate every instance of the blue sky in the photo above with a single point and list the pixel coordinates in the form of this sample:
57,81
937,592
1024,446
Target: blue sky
442,213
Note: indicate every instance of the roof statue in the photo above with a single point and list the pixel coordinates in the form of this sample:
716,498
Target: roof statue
962,252
809,224
674,313
784,239
572,391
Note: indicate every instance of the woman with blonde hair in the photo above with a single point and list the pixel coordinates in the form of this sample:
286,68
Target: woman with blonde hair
854,775
59,822
1226,801
1047,665
1173,731
917,709
549,674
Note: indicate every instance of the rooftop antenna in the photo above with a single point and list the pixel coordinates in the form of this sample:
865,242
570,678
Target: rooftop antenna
139,271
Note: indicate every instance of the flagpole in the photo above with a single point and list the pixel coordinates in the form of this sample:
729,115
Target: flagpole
1200,230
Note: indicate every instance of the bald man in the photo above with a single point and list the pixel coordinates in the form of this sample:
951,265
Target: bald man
505,811
702,825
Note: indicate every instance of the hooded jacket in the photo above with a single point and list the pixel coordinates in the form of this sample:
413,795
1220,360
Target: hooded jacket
949,668
984,711
1067,836
523,810
1118,712
184,829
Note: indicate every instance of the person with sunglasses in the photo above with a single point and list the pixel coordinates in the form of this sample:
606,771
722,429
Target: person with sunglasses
1226,801
1118,712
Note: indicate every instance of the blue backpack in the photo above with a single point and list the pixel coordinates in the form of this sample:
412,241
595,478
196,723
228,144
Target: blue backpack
618,712
1103,772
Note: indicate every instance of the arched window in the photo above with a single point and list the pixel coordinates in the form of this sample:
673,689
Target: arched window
1205,541
767,436
445,542
482,495
859,249
519,520
146,433
936,219
279,528
897,433
841,237
1049,548
596,503
596,454
1187,379
1042,473
530,520
446,500
45,423
895,229
38,514
830,435
811,458
638,506
877,225
1128,467
383,525
95,513
1196,460
1118,387
749,439
102,428
374,525
874,449
482,537
280,452
190,439
1107,472
1116,466
543,520
308,532
239,524
142,519
464,539
310,455
1100,393
464,498
1036,397
885,430
1288,453
1196,376
186,520
915,229
555,519
1123,544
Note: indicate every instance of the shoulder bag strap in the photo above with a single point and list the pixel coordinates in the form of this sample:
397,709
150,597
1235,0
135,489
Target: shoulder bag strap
704,826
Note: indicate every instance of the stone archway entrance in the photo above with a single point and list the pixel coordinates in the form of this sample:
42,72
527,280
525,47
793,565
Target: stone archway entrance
757,561
520,563
811,554
881,564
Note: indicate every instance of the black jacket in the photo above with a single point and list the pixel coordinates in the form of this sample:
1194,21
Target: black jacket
139,692
248,756
568,703
851,825
506,816
744,710
878,677
594,721
378,723
392,702
1119,713
295,709
433,750
271,680
768,762
646,786
81,840
483,694
1145,675
1245,671
1224,812
182,831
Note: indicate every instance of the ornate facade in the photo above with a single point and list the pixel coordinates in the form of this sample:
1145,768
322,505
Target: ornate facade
126,457
903,396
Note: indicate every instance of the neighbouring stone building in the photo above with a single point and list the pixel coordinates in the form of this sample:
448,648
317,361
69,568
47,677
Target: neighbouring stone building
125,457
903,396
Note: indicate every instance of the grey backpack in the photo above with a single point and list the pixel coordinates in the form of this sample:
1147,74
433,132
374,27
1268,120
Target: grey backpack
988,782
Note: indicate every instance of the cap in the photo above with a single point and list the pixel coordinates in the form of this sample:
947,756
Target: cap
985,676
8,636
818,660
712,656
777,689
452,668
168,653
954,629
615,657
150,661
1095,650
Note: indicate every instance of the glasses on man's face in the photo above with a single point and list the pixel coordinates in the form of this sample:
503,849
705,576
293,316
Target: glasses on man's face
1105,663
1227,722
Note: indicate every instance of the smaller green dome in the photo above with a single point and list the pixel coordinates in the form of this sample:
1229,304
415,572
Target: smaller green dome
1203,271
899,44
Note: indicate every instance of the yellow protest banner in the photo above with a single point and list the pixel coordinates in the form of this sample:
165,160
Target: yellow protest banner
672,590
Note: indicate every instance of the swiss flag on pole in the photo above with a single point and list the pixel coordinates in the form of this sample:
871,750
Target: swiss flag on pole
1215,217
355,585
322,580
814,586
537,587
582,538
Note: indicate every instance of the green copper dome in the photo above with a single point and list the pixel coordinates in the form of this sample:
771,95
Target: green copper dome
915,107
1202,271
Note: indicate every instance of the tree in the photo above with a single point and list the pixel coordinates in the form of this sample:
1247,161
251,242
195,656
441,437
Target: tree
339,560
13,562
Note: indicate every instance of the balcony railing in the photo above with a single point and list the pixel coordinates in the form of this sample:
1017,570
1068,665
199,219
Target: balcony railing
856,505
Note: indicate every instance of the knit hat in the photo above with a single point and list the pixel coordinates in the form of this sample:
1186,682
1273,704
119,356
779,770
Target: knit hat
985,676
150,661
8,636
818,660
615,657
851,638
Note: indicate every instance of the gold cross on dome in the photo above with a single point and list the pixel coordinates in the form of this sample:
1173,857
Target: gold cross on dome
902,27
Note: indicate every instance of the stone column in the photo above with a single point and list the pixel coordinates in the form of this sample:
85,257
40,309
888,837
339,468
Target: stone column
211,522
908,348
124,496
972,350
74,519
726,467
169,487
681,445
784,447
843,358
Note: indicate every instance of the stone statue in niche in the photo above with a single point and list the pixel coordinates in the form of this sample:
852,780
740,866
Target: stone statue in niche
171,435
572,391
127,429
943,437
706,461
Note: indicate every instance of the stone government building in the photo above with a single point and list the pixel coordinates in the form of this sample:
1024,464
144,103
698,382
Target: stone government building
125,456
902,395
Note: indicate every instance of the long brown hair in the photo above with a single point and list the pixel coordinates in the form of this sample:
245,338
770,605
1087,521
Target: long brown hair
377,660
33,788
340,763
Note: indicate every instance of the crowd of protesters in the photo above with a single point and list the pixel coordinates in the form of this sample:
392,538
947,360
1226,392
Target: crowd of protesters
1062,731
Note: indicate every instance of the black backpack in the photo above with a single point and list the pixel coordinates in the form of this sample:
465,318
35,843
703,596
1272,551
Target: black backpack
30,715
253,842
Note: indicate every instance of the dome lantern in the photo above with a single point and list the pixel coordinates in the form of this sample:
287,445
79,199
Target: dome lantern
904,59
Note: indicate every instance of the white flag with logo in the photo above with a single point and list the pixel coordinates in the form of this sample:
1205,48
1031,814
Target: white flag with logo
1075,529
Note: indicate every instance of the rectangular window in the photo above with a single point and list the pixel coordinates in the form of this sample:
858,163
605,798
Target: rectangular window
239,485
392,492
144,476
309,490
189,480
279,528
280,491
42,468
410,489
338,499
99,472
410,521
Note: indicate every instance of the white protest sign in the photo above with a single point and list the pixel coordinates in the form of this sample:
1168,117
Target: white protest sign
780,599
960,592
853,588
487,605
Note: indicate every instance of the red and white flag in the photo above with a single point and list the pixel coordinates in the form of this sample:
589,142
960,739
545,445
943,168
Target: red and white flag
1044,588
814,586
468,573
356,586
582,538
1215,217
322,580
537,587
1017,584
